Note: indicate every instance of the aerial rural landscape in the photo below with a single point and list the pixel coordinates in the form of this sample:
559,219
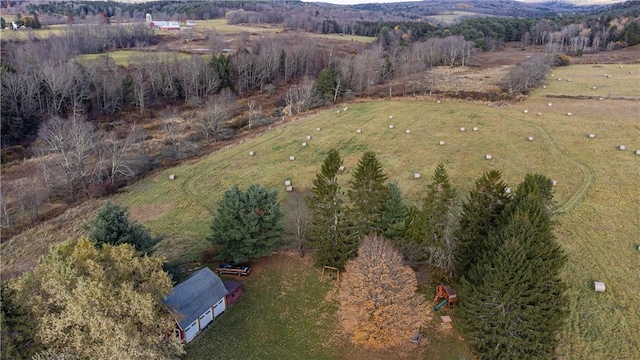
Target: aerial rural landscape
300,180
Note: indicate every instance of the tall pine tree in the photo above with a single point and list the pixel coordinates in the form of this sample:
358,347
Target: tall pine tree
367,195
514,296
432,228
327,235
394,212
480,215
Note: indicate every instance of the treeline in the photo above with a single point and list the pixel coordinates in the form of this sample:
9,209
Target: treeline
499,247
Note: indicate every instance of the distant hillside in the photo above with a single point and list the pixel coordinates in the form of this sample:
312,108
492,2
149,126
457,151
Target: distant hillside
577,2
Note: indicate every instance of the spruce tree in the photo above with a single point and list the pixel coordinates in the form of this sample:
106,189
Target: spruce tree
514,296
112,226
432,228
327,235
367,195
394,212
480,215
248,223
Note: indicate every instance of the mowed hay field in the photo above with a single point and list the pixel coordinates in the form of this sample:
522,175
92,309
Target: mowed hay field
223,27
596,188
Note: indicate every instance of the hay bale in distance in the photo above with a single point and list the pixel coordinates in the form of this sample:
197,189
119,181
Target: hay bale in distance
539,114
407,131
172,177
341,168
390,117
530,138
568,80
438,101
525,111
318,129
308,137
291,158
569,114
304,144
559,79
346,108
622,147
359,131
549,104
251,153
416,175
591,136
637,152
594,88
554,182
475,128
488,157
599,286
289,188
507,190
441,142
463,129
544,87
390,126
287,183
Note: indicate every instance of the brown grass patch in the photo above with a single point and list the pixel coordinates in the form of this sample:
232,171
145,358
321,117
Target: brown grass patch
149,212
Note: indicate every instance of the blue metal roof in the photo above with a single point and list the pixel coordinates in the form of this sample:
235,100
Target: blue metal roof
192,297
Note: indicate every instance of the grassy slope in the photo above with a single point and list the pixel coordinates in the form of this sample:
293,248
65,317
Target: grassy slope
596,182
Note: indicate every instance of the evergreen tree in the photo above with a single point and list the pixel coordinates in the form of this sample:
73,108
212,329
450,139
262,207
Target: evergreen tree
327,238
3,23
480,215
112,226
17,327
367,195
394,212
514,296
248,223
18,20
36,22
431,229
225,70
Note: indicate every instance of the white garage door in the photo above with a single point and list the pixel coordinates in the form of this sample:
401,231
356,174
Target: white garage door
205,319
191,331
218,308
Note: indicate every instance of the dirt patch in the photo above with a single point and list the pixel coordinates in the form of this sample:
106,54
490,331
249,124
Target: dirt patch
145,213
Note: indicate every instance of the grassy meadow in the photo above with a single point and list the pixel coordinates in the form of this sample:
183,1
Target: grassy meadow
221,26
122,57
344,37
597,189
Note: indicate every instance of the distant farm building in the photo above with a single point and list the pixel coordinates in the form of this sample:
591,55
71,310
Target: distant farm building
162,25
195,302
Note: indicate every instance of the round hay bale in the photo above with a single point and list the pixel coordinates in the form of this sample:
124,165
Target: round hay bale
338,112
539,114
601,99
525,111
390,126
591,136
507,190
549,104
407,131
287,183
595,87
544,86
637,152
172,177
559,79
441,142
530,138
438,101
599,286
346,108
608,76
569,114
390,117
359,131
475,128
308,137
568,80
304,144
630,72
462,129
488,157
292,158
554,182
318,129
416,175
251,153
622,147
341,168
289,188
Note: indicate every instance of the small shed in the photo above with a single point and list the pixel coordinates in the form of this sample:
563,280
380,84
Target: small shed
234,291
195,302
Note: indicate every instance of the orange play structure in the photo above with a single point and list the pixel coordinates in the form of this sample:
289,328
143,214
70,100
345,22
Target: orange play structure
445,295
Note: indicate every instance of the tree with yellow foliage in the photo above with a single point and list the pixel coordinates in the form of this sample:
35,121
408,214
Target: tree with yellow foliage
379,305
98,303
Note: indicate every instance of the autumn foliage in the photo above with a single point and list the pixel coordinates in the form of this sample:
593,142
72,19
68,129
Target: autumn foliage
379,306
